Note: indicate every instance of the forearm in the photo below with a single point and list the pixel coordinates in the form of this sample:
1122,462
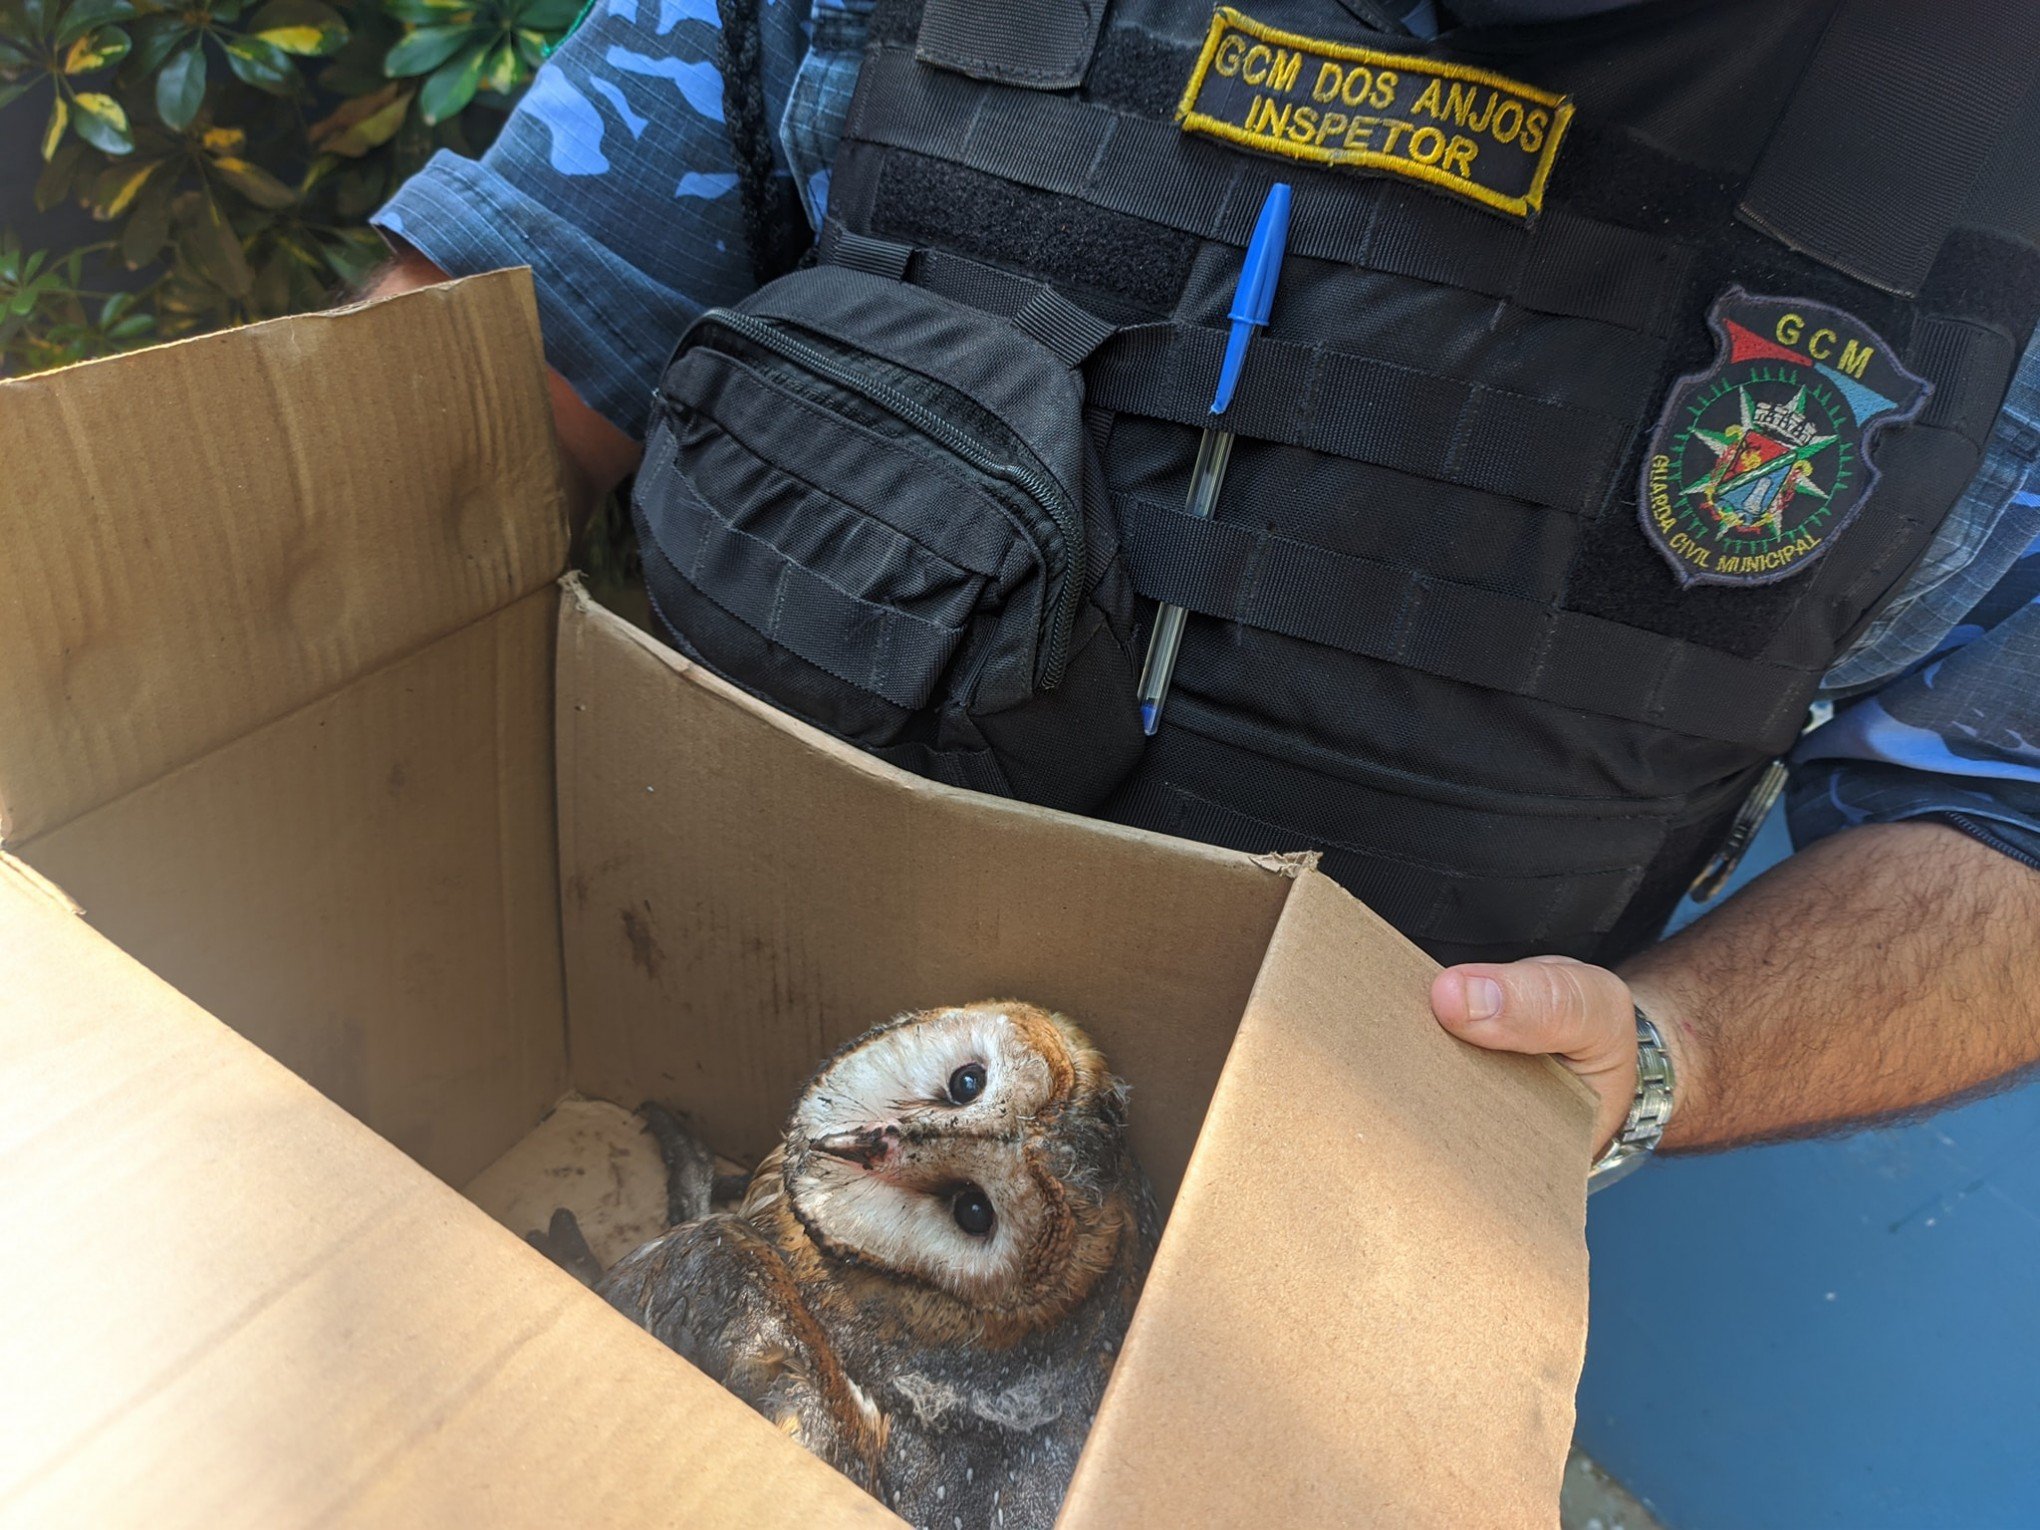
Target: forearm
597,455
1885,969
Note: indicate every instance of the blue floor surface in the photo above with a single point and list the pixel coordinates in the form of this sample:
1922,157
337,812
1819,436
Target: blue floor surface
1838,1333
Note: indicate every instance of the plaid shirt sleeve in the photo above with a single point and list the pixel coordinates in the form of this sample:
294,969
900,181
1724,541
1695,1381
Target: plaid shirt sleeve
1938,708
613,180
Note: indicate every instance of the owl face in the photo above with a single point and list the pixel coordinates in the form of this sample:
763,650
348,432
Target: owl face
975,1150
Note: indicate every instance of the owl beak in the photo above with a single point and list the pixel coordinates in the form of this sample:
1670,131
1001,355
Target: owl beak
867,1148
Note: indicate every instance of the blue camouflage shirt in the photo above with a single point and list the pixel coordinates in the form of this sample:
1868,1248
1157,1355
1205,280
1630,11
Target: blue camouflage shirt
614,182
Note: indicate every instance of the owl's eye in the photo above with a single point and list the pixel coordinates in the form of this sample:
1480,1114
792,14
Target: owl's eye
972,1209
966,1083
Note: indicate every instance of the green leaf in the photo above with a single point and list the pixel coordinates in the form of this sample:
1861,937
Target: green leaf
358,194
60,117
549,15
106,47
254,183
147,227
54,184
132,327
355,253
16,92
424,50
154,37
503,71
429,13
452,85
532,46
117,187
263,65
103,122
304,27
11,57
89,15
180,88
215,249
364,124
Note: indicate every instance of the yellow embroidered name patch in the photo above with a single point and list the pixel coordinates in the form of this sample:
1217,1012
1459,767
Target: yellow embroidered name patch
1464,130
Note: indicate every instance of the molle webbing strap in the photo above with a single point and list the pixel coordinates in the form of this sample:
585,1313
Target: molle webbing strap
1069,332
1037,44
882,650
1370,411
1901,106
1969,367
860,252
1482,637
1146,169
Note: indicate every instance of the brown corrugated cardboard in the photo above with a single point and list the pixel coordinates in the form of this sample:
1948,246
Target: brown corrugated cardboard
1369,1303
1366,1191
232,1305
366,888
205,536
744,894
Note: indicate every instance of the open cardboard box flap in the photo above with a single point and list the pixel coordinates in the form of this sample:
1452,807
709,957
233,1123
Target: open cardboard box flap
297,715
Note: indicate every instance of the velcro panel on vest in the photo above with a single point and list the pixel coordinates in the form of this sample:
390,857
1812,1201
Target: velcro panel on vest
1482,637
1059,144
1039,44
1886,133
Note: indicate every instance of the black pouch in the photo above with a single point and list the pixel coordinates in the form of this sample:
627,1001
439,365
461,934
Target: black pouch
880,511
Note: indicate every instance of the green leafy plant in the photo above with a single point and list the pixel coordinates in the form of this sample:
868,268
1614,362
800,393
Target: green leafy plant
234,149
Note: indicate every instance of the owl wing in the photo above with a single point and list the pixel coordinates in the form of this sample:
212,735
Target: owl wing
720,1294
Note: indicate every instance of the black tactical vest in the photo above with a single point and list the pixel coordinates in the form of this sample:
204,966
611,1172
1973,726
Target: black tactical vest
1620,371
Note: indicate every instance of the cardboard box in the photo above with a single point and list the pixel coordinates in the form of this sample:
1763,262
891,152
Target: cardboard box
350,788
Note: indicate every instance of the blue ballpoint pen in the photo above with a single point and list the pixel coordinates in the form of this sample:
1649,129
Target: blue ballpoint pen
1252,300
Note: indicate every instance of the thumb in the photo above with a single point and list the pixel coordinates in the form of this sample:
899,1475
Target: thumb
1582,1014
1546,1004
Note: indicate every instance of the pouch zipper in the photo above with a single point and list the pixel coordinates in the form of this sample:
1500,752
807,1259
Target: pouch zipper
1039,488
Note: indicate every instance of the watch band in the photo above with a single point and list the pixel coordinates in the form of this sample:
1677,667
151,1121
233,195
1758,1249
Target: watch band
1649,1112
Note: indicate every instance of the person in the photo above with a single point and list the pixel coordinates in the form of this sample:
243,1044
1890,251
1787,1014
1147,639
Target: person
1864,534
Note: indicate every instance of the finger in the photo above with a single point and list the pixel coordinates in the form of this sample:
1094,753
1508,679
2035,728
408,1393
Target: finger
1545,1004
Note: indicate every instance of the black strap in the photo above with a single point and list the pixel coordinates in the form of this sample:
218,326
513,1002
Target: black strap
1969,366
1462,632
1069,332
878,649
1900,107
1369,410
861,252
1564,265
1037,44
776,232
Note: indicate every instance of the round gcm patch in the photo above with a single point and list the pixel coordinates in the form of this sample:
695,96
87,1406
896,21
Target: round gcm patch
1759,462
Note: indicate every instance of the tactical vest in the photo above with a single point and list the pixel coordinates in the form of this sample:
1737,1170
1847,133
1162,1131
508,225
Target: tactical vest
1619,373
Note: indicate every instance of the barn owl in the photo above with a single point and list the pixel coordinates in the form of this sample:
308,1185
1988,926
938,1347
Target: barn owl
927,1279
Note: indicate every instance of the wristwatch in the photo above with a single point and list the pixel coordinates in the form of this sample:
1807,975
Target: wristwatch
1649,1113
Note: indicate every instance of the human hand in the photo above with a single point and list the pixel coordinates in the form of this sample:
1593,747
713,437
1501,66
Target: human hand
1583,1015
